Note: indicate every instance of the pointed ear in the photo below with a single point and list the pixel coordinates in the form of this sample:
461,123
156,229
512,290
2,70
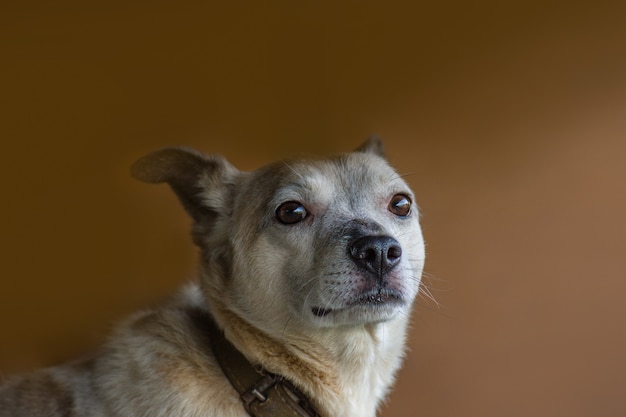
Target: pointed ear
201,182
372,144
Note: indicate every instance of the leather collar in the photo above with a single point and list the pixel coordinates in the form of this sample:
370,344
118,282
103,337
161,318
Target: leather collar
263,394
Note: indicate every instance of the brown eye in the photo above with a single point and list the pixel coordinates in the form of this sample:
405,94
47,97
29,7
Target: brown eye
400,205
291,212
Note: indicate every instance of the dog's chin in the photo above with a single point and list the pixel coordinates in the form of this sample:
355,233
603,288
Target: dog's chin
369,307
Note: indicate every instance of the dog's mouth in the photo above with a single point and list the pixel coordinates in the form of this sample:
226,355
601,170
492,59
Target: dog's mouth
321,312
369,299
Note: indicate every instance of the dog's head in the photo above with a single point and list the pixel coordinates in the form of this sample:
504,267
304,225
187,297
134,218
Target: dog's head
314,243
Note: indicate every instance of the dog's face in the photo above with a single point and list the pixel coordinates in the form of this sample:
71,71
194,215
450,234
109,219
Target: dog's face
334,241
317,243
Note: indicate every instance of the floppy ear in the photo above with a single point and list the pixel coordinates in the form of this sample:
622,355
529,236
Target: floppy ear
372,144
201,182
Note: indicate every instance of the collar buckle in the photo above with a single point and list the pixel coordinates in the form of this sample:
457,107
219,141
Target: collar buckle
258,391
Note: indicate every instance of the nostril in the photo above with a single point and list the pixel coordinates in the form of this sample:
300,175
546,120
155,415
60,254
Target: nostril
357,252
370,255
394,253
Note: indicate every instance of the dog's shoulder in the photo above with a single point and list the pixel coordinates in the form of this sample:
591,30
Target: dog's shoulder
161,335
62,391
158,362
161,360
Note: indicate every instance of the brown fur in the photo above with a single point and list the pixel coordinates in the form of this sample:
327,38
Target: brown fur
301,300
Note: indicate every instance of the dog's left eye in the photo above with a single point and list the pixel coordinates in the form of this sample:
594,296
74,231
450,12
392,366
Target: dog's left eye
291,212
400,205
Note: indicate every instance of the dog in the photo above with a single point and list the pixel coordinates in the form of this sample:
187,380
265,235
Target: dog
308,271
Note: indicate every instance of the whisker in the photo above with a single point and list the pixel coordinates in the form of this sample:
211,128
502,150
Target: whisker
292,169
424,291
286,324
397,176
426,306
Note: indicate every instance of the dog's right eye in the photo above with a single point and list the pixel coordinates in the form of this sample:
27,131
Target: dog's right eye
291,212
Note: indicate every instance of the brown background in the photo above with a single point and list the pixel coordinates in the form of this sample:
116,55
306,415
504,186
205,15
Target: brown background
509,116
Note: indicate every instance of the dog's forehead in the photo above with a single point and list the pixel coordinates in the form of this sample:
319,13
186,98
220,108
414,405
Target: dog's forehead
348,175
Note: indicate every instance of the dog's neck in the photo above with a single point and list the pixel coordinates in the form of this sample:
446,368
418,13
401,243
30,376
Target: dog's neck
365,361
344,371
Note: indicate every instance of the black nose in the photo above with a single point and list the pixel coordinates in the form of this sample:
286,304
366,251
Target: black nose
377,254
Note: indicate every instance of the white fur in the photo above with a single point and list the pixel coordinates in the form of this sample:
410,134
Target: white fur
293,298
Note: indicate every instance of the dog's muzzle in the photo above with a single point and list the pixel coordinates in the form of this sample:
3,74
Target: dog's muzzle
376,256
